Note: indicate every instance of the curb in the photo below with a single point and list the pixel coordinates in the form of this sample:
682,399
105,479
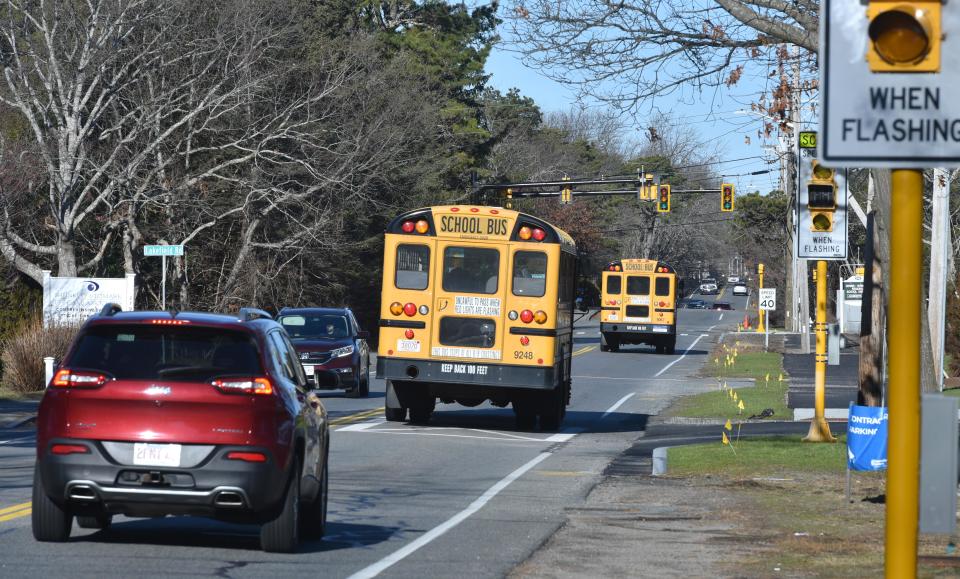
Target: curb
716,421
659,465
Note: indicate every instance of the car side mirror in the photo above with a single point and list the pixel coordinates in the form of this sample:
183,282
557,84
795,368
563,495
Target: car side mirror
363,335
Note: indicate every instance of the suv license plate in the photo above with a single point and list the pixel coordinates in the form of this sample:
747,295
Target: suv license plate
146,454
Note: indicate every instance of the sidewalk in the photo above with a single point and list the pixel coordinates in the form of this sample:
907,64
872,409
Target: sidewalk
842,382
17,413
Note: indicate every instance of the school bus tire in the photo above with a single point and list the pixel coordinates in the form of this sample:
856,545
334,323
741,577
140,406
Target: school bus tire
604,342
392,410
525,412
672,346
551,409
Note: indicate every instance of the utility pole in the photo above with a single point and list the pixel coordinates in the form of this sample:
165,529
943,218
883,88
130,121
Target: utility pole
940,246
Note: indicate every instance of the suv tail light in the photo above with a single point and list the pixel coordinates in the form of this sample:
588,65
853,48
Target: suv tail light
62,449
243,385
67,378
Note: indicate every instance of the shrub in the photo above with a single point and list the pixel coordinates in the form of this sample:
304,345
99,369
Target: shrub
23,352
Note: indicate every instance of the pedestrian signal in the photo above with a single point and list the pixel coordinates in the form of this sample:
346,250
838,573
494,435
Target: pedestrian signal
663,200
821,198
904,36
726,197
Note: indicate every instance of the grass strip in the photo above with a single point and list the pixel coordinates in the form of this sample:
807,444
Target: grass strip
763,456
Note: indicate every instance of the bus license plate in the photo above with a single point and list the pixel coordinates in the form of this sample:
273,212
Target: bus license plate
147,454
408,345
659,330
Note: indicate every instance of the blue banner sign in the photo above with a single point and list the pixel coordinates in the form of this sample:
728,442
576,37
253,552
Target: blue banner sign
867,438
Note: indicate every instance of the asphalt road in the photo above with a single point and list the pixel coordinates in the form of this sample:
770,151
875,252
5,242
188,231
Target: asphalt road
467,495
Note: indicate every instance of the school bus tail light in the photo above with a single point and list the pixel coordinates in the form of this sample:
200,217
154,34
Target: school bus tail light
526,316
540,317
524,340
410,309
396,308
408,334
525,233
407,227
539,234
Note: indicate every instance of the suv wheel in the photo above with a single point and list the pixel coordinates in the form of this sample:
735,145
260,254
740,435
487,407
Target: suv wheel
50,522
313,519
280,535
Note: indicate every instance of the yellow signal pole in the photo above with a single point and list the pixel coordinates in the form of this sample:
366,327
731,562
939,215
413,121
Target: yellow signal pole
819,429
760,326
903,338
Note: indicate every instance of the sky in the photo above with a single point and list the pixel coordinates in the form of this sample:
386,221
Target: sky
719,116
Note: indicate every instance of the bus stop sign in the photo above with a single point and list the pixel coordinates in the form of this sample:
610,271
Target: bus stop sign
885,119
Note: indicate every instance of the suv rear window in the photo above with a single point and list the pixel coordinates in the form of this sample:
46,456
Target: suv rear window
173,353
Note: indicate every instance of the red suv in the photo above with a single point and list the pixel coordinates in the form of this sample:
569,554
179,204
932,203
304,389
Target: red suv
155,413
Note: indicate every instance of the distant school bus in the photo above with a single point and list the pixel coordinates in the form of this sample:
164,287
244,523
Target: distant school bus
477,305
638,303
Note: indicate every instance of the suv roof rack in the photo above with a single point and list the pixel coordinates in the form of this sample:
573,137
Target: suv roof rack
250,314
110,309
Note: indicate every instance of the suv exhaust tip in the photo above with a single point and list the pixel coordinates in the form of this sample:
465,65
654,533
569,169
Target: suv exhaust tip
81,492
228,499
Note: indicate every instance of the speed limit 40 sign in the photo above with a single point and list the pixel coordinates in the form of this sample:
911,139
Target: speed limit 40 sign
768,298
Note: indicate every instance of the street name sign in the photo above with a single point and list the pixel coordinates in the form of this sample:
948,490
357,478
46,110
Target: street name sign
162,250
768,298
811,243
885,119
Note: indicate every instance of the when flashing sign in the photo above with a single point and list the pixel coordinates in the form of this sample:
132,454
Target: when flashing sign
869,118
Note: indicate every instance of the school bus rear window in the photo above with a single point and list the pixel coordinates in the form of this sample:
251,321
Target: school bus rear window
413,267
613,284
473,270
529,273
638,285
662,286
468,332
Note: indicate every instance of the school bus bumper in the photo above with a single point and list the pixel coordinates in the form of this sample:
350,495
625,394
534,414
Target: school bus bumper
479,374
628,328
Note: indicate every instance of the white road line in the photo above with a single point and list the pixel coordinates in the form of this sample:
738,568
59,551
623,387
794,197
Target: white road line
720,318
438,531
710,329
619,404
567,434
682,356
360,426
506,434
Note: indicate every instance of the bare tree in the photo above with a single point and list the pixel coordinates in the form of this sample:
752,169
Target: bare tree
195,123
627,52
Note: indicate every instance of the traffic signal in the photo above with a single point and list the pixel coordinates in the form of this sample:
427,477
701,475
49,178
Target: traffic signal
509,198
726,197
821,198
904,36
566,193
663,201
759,269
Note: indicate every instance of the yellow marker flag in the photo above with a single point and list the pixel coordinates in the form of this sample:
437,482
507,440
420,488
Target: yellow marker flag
780,378
725,439
734,394
740,406
728,425
725,385
766,378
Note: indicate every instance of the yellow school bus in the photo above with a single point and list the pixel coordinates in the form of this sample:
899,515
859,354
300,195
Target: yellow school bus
477,305
638,304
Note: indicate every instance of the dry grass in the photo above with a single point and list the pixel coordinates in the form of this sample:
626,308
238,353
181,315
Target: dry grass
23,352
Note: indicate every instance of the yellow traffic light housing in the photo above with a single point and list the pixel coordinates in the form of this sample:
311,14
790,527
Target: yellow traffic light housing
759,269
509,198
821,198
663,202
904,36
726,197
566,193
